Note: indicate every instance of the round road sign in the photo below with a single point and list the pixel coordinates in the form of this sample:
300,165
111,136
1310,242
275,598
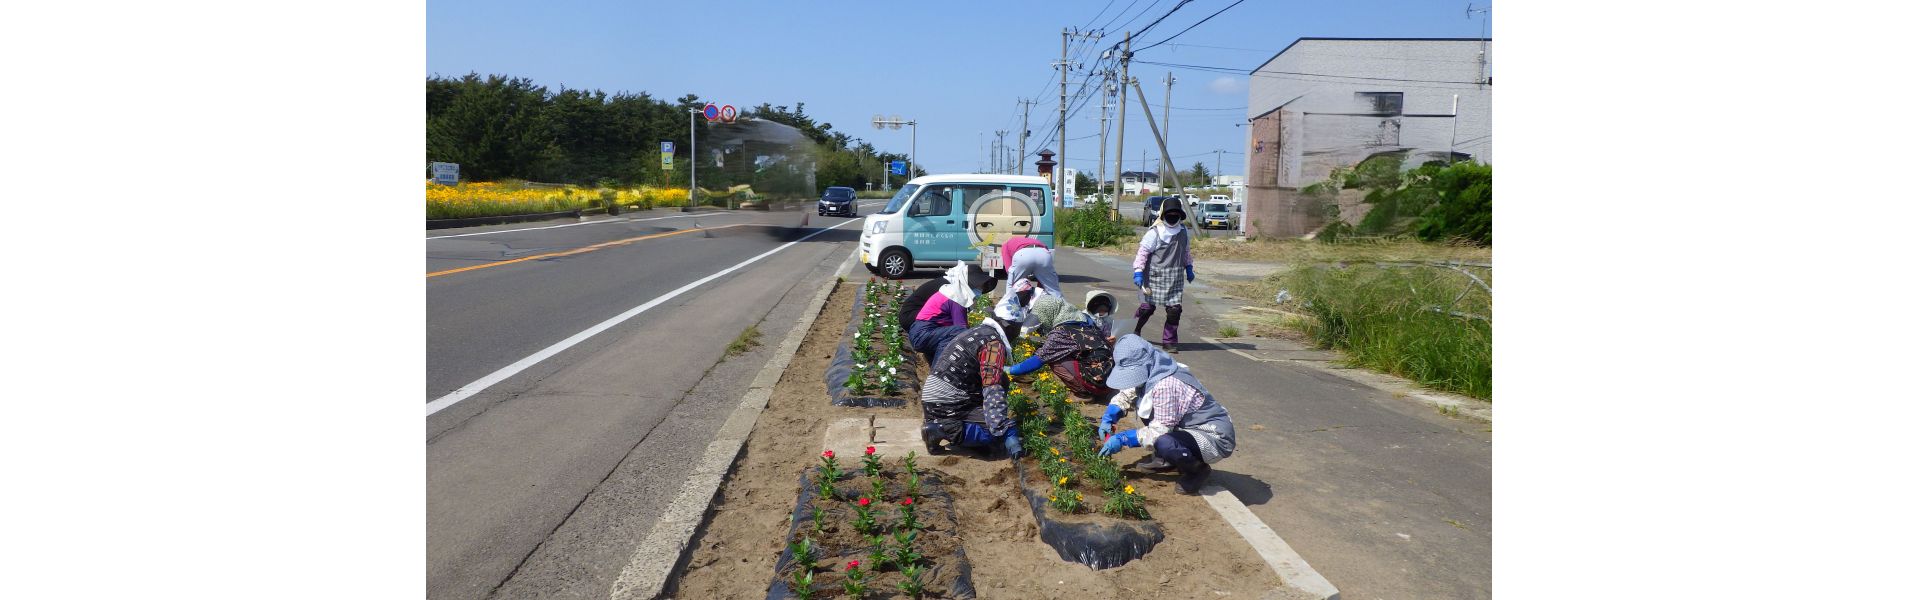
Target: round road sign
712,112
727,113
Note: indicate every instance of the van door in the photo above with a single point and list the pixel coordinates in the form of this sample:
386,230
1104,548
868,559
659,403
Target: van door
932,224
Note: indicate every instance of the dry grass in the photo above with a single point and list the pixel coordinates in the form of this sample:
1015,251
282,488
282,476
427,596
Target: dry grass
1292,251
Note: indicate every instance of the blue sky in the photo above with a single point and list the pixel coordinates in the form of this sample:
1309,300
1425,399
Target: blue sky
957,67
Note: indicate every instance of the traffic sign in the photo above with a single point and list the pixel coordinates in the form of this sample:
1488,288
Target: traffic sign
1069,179
445,173
712,112
727,113
666,155
899,167
666,147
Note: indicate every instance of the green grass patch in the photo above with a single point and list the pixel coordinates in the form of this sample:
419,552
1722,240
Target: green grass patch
1416,322
748,340
1229,331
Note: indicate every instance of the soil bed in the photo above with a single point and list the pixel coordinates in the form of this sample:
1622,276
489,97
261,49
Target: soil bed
947,573
735,553
843,362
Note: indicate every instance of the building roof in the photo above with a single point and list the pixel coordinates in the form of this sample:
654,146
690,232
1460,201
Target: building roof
1360,39
1141,175
979,178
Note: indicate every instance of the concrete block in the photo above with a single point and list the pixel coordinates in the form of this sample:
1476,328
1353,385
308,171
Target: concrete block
895,437
849,438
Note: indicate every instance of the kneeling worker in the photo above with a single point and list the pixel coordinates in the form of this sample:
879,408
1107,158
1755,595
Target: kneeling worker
1186,428
1075,347
964,398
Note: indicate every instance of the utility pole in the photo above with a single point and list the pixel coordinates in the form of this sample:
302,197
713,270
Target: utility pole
1216,163
1120,135
1166,124
1026,107
1148,111
1060,181
1106,93
999,150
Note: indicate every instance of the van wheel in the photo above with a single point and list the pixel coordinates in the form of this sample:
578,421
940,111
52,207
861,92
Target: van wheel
895,263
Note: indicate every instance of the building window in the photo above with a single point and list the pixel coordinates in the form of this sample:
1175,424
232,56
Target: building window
1380,103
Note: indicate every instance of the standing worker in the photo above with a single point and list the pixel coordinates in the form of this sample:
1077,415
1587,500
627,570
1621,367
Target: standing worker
1075,348
964,398
1164,253
1186,428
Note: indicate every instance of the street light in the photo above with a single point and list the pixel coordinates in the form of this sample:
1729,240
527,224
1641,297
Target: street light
913,142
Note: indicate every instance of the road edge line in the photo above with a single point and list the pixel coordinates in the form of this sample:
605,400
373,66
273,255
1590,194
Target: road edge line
1293,569
645,576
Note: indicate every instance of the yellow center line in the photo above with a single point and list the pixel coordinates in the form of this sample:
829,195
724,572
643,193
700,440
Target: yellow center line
580,250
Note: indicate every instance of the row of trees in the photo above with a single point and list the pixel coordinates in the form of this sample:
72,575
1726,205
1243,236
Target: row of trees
500,127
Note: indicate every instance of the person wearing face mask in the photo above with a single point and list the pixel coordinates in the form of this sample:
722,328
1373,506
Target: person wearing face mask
964,398
1186,428
1075,348
1157,268
937,311
1100,305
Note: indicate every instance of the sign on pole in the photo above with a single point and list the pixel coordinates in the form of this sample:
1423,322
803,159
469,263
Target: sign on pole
711,112
1068,185
445,173
727,113
666,155
899,167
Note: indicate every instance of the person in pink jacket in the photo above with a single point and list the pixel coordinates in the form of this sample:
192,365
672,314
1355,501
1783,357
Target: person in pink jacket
1023,257
1157,269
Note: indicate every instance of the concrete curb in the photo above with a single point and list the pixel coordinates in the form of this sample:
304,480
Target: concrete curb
1295,574
647,571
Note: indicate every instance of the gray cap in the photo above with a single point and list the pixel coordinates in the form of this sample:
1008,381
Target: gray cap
1134,360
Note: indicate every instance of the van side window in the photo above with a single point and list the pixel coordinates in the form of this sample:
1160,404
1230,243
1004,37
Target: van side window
932,202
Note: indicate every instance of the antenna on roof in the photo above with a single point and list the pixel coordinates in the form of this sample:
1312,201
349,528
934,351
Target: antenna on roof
1484,79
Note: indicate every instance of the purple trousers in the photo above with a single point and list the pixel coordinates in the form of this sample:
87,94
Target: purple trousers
1170,334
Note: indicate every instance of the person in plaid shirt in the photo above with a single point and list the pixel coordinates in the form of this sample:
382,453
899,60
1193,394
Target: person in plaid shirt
1186,428
1157,268
1075,348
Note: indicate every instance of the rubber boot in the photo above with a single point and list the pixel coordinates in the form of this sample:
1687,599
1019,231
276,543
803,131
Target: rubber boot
1170,334
931,435
1140,316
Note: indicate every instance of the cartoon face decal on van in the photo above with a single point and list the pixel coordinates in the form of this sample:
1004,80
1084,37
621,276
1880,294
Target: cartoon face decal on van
999,216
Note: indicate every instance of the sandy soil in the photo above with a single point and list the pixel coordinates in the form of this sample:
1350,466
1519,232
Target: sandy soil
735,552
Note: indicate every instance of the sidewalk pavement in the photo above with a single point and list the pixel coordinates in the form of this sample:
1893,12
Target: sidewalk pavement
1380,492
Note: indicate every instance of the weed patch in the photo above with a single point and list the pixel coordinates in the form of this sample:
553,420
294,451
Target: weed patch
747,340
1430,325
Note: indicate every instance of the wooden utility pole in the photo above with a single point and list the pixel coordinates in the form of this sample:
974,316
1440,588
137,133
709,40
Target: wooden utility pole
1026,106
1120,136
1166,126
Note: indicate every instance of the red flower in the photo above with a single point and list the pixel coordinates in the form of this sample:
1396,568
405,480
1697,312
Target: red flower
864,501
907,502
828,454
853,564
869,450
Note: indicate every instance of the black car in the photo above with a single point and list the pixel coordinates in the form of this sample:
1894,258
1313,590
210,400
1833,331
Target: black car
1150,210
838,201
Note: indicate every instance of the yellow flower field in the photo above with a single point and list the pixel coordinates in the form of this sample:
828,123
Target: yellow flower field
489,199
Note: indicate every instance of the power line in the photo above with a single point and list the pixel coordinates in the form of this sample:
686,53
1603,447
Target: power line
1234,71
1190,27
1185,108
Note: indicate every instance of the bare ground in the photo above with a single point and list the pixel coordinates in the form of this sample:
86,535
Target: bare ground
734,554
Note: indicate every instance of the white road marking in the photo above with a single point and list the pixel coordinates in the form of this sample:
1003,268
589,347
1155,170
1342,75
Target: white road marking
479,385
442,237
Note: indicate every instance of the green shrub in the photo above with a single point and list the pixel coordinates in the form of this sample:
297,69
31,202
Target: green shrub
1090,226
1403,321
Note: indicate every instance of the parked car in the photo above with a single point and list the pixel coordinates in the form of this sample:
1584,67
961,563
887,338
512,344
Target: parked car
838,201
1150,210
939,220
1218,214
1220,198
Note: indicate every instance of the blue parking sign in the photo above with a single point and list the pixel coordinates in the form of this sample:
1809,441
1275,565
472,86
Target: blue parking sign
899,167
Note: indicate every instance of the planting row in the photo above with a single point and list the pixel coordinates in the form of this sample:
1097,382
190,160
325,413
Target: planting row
870,533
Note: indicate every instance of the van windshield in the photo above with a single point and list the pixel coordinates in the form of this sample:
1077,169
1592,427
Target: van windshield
899,198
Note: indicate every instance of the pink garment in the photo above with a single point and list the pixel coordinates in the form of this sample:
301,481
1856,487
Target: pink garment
935,305
1151,242
1016,244
1172,399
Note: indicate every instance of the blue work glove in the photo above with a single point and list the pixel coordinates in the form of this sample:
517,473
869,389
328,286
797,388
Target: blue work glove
1139,279
1129,438
1012,442
1189,273
1107,420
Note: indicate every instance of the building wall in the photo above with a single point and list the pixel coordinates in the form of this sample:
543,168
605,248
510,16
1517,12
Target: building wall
1328,133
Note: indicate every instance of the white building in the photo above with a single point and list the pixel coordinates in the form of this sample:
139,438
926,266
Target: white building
1139,182
1323,103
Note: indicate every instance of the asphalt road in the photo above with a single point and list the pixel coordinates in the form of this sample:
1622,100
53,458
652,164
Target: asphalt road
542,474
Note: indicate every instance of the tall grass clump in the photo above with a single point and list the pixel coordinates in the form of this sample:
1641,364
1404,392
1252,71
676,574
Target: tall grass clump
1402,320
1090,226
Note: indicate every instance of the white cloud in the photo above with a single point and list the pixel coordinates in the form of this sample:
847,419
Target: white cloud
1227,85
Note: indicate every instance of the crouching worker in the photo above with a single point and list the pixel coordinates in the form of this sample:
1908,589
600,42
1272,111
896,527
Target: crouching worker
939,308
1185,427
964,398
1075,347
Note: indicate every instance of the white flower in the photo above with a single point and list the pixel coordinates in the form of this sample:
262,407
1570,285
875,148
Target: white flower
859,366
891,371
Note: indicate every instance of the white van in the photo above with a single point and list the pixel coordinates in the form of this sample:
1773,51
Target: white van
939,220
